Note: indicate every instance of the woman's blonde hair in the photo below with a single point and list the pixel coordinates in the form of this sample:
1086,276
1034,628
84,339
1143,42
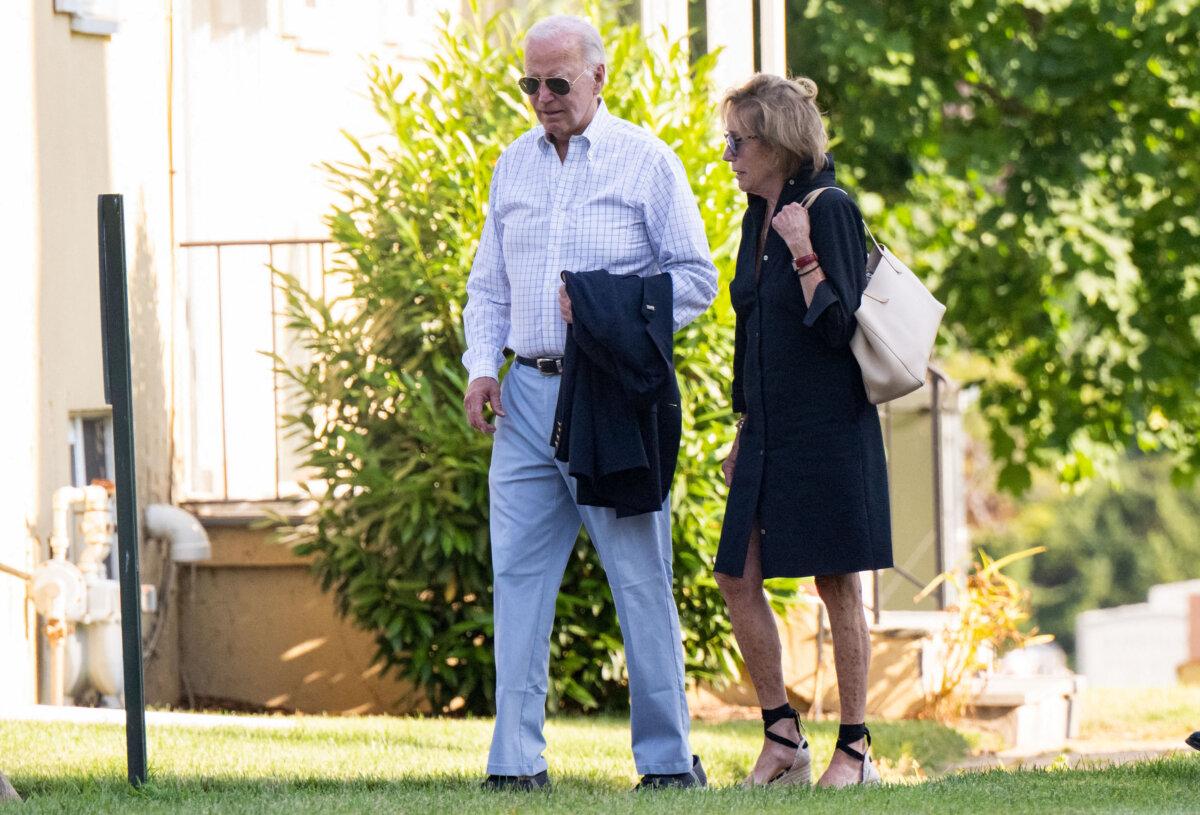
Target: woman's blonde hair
783,113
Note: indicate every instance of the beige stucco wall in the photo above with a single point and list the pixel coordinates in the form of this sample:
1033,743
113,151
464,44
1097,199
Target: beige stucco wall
100,108
72,129
18,338
257,631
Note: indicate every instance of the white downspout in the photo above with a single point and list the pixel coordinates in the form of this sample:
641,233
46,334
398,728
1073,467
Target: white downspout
189,542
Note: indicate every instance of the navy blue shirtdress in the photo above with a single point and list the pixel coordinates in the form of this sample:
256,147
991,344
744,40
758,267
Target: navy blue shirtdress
810,471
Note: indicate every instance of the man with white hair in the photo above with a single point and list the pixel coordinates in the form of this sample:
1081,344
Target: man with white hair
582,191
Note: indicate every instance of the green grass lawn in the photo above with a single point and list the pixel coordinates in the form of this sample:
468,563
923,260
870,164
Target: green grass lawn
431,766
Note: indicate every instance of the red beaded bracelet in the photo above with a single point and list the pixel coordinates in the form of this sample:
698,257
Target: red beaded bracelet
800,262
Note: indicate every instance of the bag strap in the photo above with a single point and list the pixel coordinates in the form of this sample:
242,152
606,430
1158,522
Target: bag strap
815,194
812,196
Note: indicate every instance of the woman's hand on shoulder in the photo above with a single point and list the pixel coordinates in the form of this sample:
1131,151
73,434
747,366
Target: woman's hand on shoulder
792,225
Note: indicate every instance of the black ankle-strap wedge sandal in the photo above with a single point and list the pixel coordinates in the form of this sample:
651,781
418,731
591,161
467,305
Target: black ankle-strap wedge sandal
848,734
800,771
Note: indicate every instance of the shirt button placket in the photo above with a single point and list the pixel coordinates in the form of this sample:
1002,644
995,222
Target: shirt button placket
561,181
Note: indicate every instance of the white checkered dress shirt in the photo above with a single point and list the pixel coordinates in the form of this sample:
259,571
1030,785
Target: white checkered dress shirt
620,202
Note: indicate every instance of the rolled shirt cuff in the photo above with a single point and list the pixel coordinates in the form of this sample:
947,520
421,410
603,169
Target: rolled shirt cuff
823,298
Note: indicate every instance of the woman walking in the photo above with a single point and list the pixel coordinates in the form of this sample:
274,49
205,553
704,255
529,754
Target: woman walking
808,482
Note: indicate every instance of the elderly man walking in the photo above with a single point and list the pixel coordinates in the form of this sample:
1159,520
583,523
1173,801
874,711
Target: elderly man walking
583,191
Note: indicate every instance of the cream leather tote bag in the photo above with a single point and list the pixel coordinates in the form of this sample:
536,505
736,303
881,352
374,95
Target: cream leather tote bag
898,321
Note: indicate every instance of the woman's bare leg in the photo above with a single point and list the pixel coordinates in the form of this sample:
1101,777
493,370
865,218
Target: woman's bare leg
842,595
758,639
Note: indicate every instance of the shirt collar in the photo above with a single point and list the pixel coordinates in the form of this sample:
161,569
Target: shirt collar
802,182
602,122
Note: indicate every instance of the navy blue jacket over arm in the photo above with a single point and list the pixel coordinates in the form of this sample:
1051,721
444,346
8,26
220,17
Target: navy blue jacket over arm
618,423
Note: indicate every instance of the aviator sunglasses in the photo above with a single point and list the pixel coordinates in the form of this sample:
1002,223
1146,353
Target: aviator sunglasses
556,84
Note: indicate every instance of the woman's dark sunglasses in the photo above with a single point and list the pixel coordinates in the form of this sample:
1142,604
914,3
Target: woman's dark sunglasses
734,142
557,85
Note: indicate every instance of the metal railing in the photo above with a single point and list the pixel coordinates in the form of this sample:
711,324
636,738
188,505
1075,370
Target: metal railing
218,252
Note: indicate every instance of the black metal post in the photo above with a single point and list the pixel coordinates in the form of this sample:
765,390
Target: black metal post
118,392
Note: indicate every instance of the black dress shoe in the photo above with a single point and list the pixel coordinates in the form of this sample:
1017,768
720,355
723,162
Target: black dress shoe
695,777
523,783
1194,740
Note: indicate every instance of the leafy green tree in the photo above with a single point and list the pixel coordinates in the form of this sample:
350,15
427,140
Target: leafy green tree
1038,161
1105,546
401,533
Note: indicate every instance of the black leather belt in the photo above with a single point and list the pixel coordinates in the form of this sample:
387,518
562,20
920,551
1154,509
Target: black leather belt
549,366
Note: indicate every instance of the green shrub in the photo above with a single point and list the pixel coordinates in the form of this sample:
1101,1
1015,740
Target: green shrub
401,532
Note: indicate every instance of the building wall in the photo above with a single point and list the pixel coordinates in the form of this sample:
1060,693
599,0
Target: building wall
259,633
100,113
263,93
18,337
83,116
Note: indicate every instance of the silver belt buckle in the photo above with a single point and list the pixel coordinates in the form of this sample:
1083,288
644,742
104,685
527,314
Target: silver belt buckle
549,366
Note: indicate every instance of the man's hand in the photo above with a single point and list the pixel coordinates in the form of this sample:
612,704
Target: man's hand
564,304
728,465
482,391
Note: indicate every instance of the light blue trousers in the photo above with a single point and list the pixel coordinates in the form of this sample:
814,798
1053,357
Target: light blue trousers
535,523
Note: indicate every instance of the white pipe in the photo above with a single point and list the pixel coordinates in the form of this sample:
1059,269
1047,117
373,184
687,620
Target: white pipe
97,532
189,542
63,504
